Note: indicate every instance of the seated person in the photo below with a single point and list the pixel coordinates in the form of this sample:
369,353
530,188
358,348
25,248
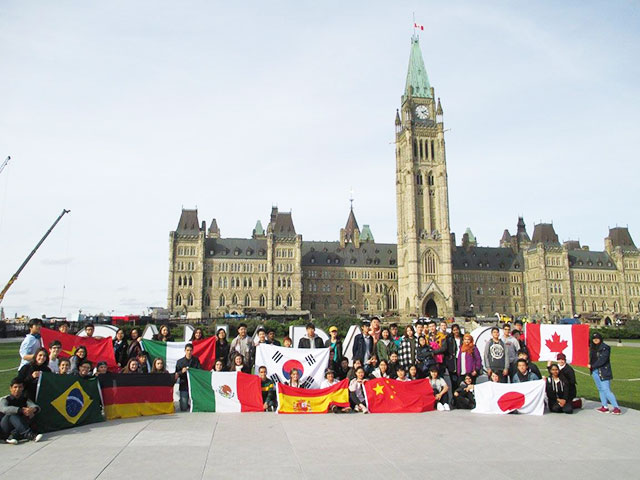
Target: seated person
143,362
219,366
158,366
343,369
569,375
523,374
64,366
268,390
351,374
440,389
393,364
401,374
464,397
382,371
329,379
101,368
413,373
357,396
370,365
294,379
532,366
132,366
30,372
17,412
558,397
85,369
238,364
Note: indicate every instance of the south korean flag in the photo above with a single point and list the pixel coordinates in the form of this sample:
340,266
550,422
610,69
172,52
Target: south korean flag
310,362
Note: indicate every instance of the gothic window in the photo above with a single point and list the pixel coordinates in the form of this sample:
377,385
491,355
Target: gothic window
419,178
263,301
415,149
516,307
430,263
594,306
430,179
207,300
379,305
178,299
278,300
247,300
584,306
210,281
326,303
630,307
250,282
190,299
233,282
561,305
366,304
288,283
605,307
421,155
289,301
616,306
234,299
226,284
279,282
222,301
432,150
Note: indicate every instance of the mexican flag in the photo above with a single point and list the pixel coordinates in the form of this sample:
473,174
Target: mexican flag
545,342
171,352
224,391
503,398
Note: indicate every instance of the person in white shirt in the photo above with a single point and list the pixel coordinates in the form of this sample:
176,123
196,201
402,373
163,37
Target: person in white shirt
54,350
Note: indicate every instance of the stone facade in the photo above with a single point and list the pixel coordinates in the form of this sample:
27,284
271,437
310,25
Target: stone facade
276,273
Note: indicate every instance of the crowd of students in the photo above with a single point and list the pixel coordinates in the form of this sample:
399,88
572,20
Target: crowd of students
426,350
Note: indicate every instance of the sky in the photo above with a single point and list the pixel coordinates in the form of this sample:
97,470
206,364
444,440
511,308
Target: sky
126,112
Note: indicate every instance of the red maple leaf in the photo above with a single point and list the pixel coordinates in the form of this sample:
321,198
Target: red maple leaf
556,345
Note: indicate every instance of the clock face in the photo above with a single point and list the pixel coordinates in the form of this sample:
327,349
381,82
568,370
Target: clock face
422,112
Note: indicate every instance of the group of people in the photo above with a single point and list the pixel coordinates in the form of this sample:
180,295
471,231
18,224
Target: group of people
427,350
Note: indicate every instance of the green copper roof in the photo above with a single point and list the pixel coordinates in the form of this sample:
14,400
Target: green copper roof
472,237
417,75
366,235
258,230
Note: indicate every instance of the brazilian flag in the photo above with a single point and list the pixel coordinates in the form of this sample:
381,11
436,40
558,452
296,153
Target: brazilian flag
67,401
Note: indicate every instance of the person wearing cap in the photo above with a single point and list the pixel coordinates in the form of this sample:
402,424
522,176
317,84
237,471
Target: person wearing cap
600,368
311,340
568,374
363,344
335,344
329,378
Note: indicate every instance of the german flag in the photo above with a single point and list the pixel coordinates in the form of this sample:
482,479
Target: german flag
302,400
127,395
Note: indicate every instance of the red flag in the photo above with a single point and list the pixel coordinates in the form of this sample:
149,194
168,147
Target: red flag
205,350
385,395
545,342
418,26
98,350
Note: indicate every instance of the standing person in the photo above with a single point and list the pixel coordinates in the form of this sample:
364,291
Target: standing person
385,345
424,358
262,337
600,368
335,345
17,413
343,369
558,397
271,337
496,356
513,347
452,342
419,329
311,340
407,351
89,330
287,343
79,355
357,395
63,327
268,390
64,366
443,327
164,334
120,348
243,345
568,374
440,389
375,330
532,366
363,344
134,345
222,346
393,331
31,342
436,339
143,362
30,373
54,361
469,359
198,334
182,366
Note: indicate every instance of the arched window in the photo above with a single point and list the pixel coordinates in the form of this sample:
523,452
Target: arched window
366,304
263,301
179,281
562,305
178,299
605,307
430,263
616,306
234,299
210,281
190,299
552,305
393,300
326,303
516,307
190,281
288,283
584,306
379,305
419,178
279,283
233,282
278,300
289,301
207,300
222,301
250,282
630,307
247,300
594,306
430,179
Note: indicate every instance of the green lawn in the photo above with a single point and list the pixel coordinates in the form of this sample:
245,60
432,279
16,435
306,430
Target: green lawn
625,362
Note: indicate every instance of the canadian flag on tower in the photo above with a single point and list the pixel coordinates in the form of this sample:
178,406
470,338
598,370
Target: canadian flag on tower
545,342
418,26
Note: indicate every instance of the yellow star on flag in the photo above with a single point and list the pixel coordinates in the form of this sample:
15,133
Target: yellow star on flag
71,352
379,389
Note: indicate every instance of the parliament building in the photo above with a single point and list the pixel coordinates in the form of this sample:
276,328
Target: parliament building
427,273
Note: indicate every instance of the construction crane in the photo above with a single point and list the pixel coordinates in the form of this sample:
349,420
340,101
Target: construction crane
33,252
4,164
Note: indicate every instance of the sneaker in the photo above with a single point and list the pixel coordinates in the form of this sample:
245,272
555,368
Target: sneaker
602,409
11,440
34,437
440,407
446,407
616,411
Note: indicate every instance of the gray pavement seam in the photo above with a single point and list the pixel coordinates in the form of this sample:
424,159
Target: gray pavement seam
123,448
204,466
42,447
295,452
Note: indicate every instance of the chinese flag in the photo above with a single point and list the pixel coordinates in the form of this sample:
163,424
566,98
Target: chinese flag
98,350
385,395
545,342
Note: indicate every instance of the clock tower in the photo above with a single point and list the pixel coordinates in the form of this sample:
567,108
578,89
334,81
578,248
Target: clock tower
425,280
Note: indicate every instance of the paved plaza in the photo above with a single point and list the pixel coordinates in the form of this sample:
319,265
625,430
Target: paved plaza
446,445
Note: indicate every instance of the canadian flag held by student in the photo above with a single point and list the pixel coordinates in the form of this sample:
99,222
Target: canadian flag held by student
503,398
545,342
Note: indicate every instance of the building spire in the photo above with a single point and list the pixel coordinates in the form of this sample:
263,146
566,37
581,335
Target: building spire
417,84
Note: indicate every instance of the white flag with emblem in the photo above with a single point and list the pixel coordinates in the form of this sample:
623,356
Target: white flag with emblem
310,362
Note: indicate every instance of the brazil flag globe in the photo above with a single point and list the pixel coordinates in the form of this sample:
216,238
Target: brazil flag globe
75,402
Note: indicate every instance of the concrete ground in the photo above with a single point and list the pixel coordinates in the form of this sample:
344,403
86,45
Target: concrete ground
447,445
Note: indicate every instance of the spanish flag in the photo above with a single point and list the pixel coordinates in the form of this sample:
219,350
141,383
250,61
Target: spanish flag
302,400
128,395
385,395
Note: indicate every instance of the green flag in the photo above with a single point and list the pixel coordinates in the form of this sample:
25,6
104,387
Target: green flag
67,401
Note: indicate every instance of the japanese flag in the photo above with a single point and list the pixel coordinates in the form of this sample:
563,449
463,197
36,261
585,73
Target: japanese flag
502,398
545,342
310,362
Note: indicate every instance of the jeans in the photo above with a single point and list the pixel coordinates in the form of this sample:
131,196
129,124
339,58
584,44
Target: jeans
184,400
604,389
15,423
